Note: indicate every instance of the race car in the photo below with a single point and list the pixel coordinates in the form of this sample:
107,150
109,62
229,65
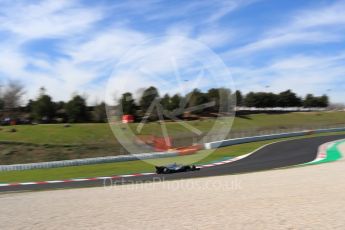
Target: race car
174,168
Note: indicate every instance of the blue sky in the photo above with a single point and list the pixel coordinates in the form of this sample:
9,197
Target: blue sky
71,46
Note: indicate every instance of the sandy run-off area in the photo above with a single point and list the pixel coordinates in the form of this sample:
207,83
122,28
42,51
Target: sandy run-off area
311,197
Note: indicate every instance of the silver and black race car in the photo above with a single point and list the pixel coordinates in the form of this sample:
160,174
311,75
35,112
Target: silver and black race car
174,168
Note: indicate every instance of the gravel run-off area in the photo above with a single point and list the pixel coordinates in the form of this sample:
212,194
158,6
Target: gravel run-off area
310,197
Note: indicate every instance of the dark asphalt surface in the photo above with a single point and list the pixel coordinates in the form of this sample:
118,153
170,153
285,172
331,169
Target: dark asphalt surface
281,154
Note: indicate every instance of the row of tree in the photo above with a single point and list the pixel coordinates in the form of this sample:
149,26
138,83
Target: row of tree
44,109
75,110
217,99
283,99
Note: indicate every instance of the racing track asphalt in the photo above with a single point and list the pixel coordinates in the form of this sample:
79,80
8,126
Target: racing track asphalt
280,154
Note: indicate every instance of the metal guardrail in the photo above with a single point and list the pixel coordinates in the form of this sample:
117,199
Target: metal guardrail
86,161
122,158
223,143
282,109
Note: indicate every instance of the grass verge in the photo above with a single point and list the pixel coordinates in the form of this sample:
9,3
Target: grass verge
40,143
132,166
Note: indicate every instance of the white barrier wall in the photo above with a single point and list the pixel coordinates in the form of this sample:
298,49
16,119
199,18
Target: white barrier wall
121,158
86,161
217,144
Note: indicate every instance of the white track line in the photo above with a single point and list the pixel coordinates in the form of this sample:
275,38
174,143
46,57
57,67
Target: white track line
138,174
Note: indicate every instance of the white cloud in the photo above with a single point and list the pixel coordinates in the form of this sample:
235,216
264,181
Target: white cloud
273,42
305,27
323,16
90,50
207,12
216,37
12,63
106,45
301,73
226,7
47,18
173,64
24,23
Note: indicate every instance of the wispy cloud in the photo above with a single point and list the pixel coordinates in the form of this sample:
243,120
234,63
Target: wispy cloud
319,74
47,18
80,42
89,51
304,28
226,7
29,21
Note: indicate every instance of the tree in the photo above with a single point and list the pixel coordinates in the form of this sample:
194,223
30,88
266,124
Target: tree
2,104
175,102
213,96
127,104
76,109
43,108
267,100
288,99
148,97
239,98
324,101
147,101
171,103
166,102
100,114
60,111
312,101
12,96
60,105
226,100
196,98
309,100
261,100
28,107
249,99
